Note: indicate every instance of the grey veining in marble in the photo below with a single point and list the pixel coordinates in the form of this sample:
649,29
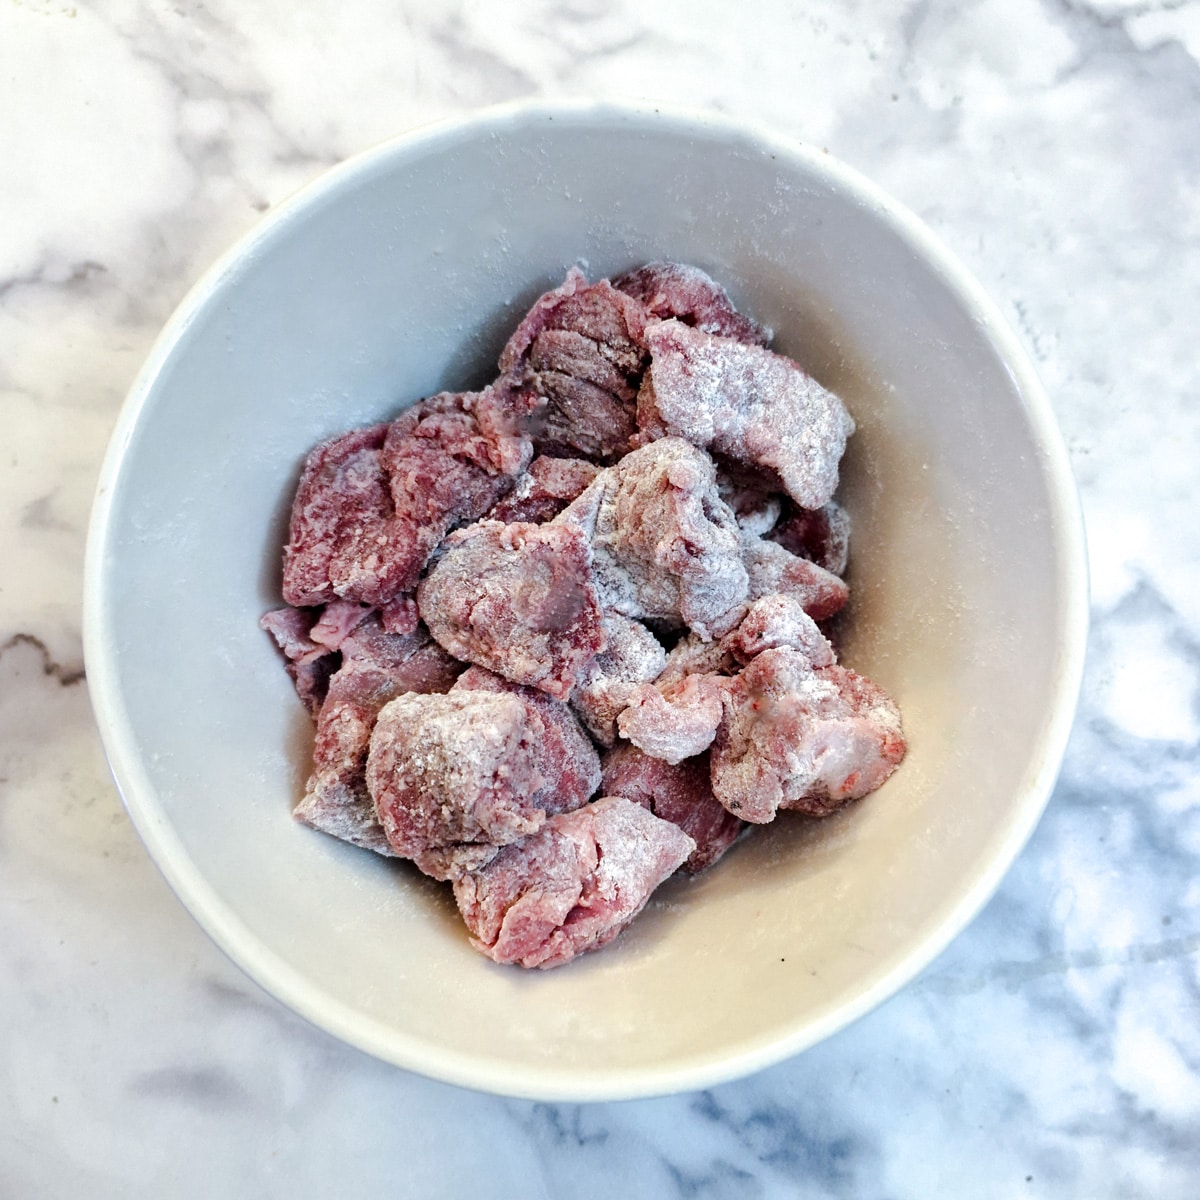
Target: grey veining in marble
1054,1049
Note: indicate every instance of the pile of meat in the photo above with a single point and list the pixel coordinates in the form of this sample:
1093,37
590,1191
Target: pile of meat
563,636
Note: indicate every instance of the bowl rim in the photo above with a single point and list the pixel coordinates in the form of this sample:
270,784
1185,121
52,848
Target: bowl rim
548,1082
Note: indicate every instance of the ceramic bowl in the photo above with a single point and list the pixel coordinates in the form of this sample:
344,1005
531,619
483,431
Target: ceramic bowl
400,273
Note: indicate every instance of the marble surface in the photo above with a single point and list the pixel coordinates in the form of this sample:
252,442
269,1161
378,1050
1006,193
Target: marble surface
1054,1049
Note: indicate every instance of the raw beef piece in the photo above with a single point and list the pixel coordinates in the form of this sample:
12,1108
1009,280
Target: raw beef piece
795,737
415,659
376,667
445,469
572,886
632,656
822,535
773,569
311,680
579,352
665,546
779,620
453,778
309,663
342,525
517,599
746,403
677,290
679,793
675,719
544,490
503,413
561,751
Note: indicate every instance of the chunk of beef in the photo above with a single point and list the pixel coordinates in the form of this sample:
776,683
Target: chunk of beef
579,354
292,629
309,663
544,490
341,526
779,620
822,535
561,751
794,737
452,777
632,655
675,716
675,719
311,680
665,546
517,599
746,403
572,886
772,569
680,793
376,667
670,289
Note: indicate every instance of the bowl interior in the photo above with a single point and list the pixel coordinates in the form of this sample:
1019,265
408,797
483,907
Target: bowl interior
401,274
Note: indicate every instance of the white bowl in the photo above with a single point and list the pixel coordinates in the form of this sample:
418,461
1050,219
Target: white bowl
400,273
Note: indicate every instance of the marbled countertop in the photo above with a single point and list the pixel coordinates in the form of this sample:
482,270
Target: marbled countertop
1054,1049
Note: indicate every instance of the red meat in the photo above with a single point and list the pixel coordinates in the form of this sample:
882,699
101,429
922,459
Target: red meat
342,525
337,621
746,403
517,599
452,778
449,459
772,569
675,719
632,656
561,751
376,667
309,664
774,621
795,737
579,355
544,490
670,289
665,546
572,886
